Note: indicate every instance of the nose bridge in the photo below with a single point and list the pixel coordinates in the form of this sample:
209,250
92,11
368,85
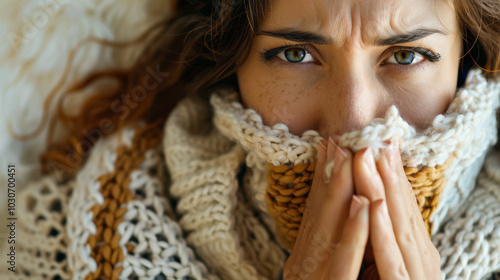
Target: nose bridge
354,98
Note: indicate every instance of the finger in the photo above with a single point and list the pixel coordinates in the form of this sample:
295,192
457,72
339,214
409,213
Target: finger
306,225
401,200
340,188
367,181
320,220
409,228
328,203
352,245
303,246
388,257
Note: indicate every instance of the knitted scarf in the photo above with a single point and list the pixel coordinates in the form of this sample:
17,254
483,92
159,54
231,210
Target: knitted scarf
441,162
206,146
231,201
239,188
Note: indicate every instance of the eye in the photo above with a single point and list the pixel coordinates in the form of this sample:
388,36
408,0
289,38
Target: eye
405,57
296,55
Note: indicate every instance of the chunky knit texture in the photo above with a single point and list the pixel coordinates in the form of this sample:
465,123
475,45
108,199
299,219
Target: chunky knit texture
286,196
289,188
441,163
122,191
213,212
469,243
112,221
455,143
115,219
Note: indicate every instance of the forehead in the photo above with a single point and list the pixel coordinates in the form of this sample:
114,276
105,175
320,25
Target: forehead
364,19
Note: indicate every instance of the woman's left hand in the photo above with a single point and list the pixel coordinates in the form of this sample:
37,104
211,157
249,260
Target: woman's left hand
399,239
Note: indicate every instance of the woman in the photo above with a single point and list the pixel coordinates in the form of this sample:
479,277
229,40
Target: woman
338,102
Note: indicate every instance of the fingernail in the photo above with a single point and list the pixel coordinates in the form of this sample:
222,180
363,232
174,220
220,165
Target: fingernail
369,161
340,157
390,152
356,205
330,156
331,149
323,143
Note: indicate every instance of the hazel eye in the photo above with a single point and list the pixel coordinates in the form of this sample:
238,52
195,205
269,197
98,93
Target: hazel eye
405,57
296,55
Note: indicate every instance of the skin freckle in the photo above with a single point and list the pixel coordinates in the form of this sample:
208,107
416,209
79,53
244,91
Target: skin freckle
349,81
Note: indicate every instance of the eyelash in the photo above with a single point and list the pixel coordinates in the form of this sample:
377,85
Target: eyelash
268,54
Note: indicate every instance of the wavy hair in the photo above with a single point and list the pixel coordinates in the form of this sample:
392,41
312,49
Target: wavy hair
200,47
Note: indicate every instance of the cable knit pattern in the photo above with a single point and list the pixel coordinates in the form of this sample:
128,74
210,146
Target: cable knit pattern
469,244
218,215
224,220
217,218
146,244
464,132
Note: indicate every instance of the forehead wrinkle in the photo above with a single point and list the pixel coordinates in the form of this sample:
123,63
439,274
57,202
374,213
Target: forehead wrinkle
329,18
357,24
338,24
352,22
379,23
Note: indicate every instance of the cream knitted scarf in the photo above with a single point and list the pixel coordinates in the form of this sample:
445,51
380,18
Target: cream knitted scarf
204,162
452,148
114,220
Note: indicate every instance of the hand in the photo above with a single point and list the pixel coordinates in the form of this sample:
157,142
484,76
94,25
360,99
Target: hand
334,229
401,245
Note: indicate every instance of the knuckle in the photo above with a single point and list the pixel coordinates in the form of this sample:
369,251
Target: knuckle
406,238
386,239
398,269
395,269
401,271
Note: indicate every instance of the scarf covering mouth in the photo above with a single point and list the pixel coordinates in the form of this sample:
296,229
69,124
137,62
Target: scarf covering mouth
441,162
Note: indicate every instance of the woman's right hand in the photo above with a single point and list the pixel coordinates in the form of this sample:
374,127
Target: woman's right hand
334,229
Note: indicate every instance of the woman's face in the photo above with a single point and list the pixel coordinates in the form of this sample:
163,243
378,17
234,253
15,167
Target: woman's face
334,65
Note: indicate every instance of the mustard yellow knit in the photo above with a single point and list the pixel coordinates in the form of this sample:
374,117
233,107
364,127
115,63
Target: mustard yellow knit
289,187
114,189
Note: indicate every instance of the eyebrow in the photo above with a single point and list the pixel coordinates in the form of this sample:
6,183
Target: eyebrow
297,36
410,36
314,38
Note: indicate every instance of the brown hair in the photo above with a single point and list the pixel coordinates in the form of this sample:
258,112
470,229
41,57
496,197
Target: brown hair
480,22
199,48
